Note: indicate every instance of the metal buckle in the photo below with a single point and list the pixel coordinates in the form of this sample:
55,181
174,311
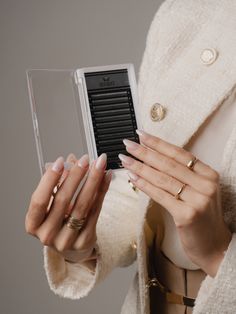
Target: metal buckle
171,297
133,186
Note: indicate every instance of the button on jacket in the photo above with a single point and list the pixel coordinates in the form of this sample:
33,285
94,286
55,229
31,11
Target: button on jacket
187,71
157,112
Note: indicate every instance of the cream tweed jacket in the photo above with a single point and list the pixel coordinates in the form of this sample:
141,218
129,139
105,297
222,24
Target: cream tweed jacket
173,75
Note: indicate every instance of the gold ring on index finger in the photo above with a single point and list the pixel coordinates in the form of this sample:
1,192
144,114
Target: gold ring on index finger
56,188
67,167
53,196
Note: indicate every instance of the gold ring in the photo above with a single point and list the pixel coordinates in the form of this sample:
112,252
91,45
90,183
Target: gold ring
56,188
177,196
191,163
74,223
133,186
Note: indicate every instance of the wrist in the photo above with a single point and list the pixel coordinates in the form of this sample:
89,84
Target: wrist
81,256
211,266
90,265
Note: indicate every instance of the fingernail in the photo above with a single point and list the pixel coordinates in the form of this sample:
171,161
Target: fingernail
58,165
132,176
130,144
47,165
92,164
109,175
68,165
71,158
126,159
84,161
101,161
141,133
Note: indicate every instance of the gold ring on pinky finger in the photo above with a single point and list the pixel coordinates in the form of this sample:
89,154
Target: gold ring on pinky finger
191,163
177,196
74,223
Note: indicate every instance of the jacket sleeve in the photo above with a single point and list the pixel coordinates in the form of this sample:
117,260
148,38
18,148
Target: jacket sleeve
116,231
217,295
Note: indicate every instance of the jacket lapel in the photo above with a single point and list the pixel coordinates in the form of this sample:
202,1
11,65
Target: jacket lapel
190,91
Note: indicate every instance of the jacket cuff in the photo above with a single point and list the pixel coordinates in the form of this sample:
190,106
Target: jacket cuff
116,230
69,280
217,295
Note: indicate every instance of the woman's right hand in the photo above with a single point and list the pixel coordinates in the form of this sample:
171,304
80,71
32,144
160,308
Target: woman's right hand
48,224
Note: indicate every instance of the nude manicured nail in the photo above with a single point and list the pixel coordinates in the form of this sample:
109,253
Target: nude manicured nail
130,144
132,176
141,133
58,165
68,165
109,175
125,159
71,158
84,161
101,161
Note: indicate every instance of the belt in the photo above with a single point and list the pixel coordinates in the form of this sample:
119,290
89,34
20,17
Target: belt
154,281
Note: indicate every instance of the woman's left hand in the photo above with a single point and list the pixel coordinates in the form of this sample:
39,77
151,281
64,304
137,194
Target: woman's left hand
197,213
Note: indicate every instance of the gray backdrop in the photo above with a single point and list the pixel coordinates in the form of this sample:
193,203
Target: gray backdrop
52,34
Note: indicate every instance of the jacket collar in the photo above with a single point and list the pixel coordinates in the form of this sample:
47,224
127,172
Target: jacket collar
190,90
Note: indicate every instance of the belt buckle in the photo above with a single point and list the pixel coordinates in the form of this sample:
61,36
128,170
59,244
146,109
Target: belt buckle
170,296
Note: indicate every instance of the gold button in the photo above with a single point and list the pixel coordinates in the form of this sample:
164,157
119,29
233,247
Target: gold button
134,245
157,112
208,56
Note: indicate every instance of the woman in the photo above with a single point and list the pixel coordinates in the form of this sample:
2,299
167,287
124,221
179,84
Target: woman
179,219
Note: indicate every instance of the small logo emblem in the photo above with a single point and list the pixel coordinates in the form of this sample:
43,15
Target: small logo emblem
106,82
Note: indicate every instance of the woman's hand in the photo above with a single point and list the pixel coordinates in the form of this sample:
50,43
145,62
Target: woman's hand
45,218
197,213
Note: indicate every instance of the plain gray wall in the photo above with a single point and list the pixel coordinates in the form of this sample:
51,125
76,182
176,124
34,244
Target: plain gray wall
52,34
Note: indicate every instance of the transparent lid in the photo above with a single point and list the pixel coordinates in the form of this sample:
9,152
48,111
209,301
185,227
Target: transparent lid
56,114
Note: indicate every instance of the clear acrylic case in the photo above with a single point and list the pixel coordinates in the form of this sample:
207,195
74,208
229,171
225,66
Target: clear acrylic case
87,110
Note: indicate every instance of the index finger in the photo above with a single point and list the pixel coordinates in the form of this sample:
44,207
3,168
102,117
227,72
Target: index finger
41,196
177,153
70,161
